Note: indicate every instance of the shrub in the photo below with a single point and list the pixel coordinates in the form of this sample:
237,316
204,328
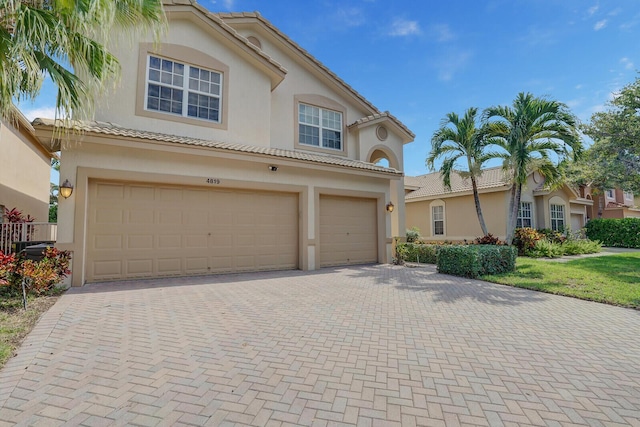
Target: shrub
579,247
417,252
525,239
39,276
476,260
623,233
489,239
413,235
497,259
7,267
552,235
545,249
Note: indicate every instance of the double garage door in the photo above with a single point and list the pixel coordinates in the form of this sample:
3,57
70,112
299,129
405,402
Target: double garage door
147,230
138,230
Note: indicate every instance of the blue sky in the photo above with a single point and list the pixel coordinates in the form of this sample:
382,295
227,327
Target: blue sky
422,59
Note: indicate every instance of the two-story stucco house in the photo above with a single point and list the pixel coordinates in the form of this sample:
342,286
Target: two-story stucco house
25,166
442,215
227,148
614,203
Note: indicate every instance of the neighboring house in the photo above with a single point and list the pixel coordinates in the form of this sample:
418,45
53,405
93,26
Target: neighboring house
25,169
227,148
451,215
613,203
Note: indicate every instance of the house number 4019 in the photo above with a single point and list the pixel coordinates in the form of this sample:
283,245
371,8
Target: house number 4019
213,181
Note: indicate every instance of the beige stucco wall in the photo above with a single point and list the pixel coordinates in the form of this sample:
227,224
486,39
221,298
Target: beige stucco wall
461,220
24,173
249,90
190,166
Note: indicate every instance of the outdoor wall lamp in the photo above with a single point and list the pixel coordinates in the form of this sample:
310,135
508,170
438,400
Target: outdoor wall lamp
390,207
66,189
273,168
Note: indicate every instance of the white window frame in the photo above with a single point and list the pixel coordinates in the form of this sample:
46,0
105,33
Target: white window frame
555,219
186,89
610,194
322,125
628,195
521,218
435,220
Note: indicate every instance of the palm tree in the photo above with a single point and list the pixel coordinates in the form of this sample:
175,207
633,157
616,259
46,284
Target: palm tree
38,37
460,140
529,132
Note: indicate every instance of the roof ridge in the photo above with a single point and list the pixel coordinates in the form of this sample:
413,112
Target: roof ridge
303,51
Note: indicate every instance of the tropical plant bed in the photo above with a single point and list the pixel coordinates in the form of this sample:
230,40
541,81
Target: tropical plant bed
611,279
16,322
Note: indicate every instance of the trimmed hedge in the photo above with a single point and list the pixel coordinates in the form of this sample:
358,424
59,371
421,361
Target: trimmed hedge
623,233
416,252
476,260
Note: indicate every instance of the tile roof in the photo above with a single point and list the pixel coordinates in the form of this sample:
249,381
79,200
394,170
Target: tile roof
300,49
383,115
230,30
431,184
306,54
112,129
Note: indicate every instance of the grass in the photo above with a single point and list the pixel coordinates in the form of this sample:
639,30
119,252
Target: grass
611,279
16,323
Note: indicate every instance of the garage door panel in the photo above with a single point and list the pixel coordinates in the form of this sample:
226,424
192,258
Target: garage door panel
169,266
139,267
110,191
348,231
171,241
142,193
171,217
140,216
107,269
147,230
102,242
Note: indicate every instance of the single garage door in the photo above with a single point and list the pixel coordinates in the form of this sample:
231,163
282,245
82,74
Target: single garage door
137,230
348,231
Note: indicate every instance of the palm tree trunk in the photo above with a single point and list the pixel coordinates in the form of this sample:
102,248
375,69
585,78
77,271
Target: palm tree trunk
516,194
476,199
512,201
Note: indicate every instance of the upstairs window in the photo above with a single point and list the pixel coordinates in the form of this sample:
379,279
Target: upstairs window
525,218
184,90
319,127
557,217
610,194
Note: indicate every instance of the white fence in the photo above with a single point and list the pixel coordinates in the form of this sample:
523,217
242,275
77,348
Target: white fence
26,232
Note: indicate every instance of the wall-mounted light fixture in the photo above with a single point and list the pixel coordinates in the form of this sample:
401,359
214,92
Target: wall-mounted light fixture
66,189
273,168
390,207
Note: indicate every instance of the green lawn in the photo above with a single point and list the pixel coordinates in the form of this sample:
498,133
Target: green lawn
612,279
16,323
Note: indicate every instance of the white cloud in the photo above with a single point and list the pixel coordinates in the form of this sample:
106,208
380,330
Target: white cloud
579,87
403,27
600,25
451,64
42,112
627,63
441,32
351,17
229,4
592,10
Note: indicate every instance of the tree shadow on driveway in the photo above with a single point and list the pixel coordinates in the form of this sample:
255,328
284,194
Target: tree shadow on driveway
446,288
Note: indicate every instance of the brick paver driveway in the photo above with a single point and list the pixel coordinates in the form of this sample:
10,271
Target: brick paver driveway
372,345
